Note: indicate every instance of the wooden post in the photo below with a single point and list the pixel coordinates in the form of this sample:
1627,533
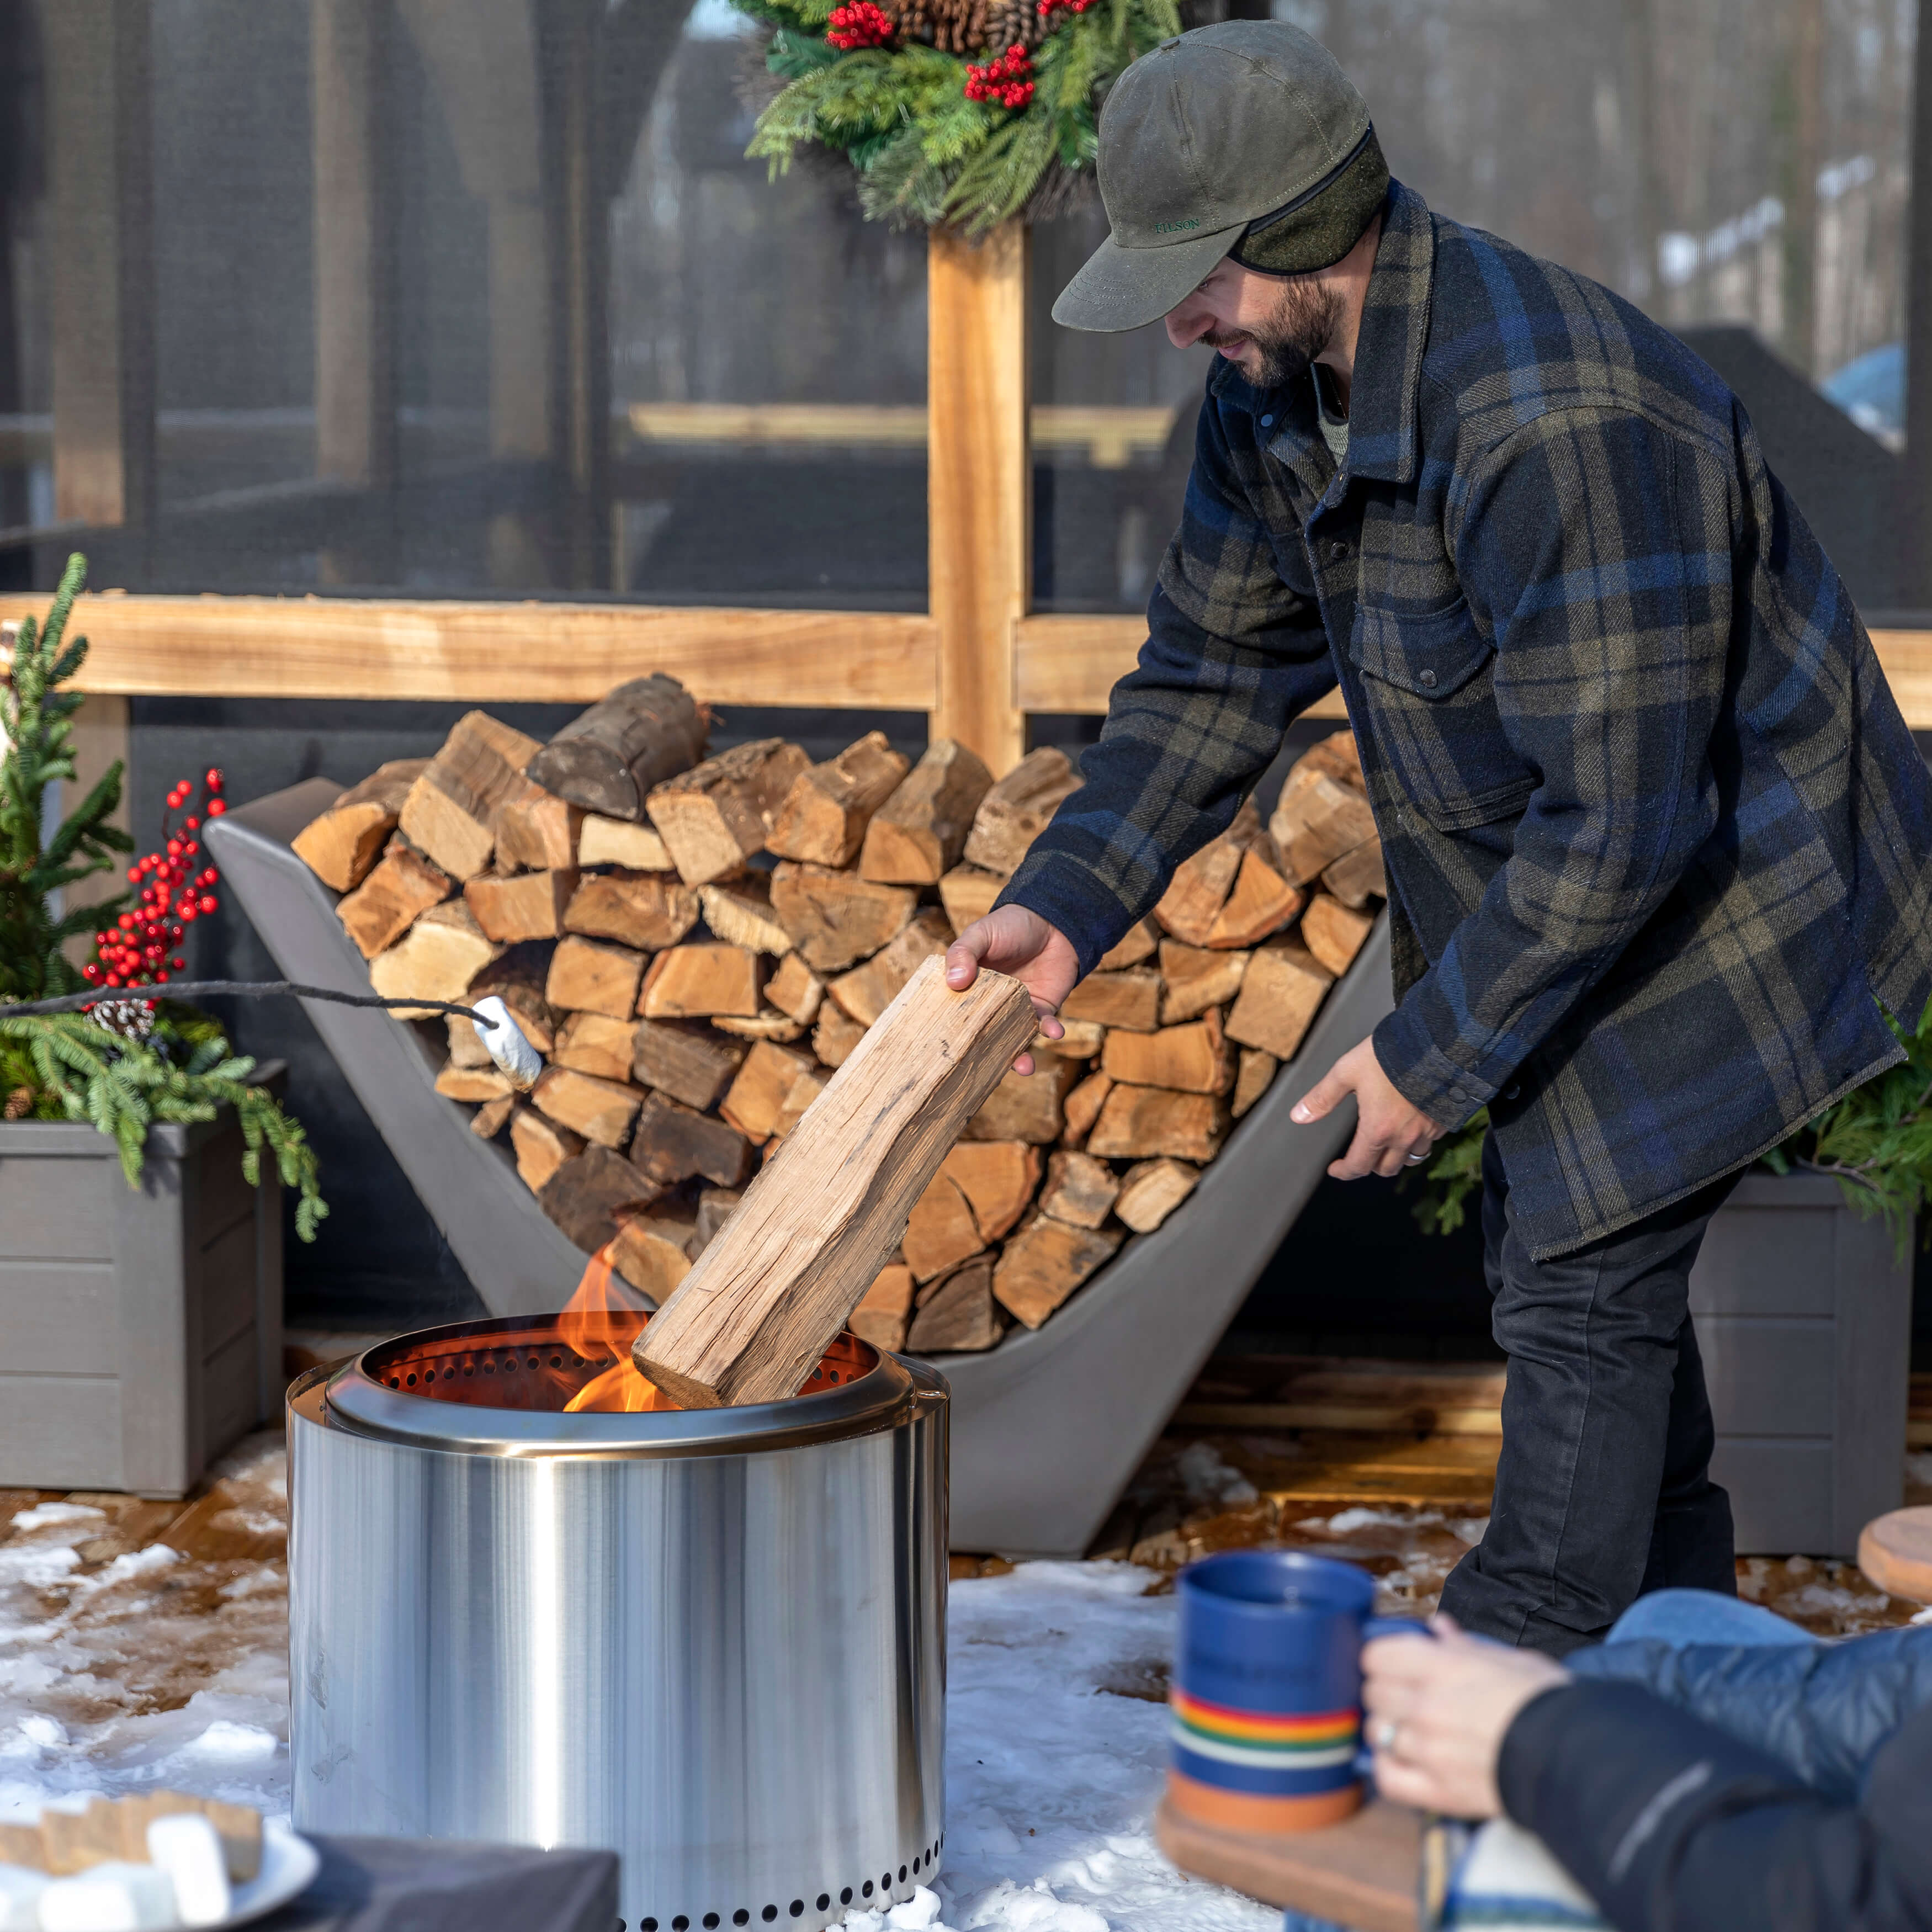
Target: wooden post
979,487
101,329
99,737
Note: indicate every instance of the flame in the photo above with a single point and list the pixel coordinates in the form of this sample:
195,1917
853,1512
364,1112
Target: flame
604,1317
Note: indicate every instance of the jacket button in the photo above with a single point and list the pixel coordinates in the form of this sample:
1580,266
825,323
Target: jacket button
1426,678
1456,1093
1267,422
1338,553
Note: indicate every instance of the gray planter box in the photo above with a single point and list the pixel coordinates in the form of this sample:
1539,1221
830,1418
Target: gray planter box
1804,1315
140,1331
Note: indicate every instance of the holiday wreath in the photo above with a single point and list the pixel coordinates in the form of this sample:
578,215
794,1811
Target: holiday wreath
960,111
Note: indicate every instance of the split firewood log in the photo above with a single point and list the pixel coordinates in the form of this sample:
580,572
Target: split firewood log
740,911
587,976
1200,887
1333,933
487,1123
1195,1058
450,812
1045,1262
714,1207
608,759
1252,1078
1336,756
541,1147
587,1193
613,841
959,1316
1015,812
1153,1190
1142,1122
536,830
528,905
1317,820
885,1310
835,1036
1082,1108
435,959
1079,1039
940,1231
473,1085
341,847
795,989
805,1089
1193,979
600,1110
756,1102
1281,993
401,888
648,910
1262,902
834,919
916,838
997,1178
866,990
1358,876
596,1043
685,1060
672,1143
689,982
813,1230
466,1047
1129,1000
652,1251
1079,1190
824,816
967,893
715,817
1027,1107
1136,944
767,1024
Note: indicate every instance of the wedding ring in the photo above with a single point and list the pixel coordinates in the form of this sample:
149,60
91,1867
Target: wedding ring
1384,1736
1414,1159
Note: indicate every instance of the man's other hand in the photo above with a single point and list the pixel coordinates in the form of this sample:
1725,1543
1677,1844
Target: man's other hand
1436,1713
1390,1133
1013,941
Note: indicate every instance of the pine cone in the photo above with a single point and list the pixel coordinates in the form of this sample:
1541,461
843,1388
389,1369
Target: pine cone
1012,22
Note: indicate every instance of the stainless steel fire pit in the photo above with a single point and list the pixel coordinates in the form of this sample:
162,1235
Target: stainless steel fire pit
713,1641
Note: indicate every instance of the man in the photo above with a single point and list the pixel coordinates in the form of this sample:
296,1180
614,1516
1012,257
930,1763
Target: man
1657,839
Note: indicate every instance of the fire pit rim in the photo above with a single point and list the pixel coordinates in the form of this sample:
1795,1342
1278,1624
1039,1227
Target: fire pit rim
349,1397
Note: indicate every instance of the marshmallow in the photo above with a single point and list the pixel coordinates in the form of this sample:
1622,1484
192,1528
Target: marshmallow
187,1847
20,1892
505,1045
111,1897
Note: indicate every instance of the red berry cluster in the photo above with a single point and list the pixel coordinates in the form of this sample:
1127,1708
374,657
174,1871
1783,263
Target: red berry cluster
1047,8
859,24
175,891
1007,79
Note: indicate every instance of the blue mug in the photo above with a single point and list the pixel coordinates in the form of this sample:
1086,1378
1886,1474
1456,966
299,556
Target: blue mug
1266,1696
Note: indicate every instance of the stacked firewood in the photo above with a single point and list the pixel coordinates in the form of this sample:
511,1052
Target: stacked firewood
693,943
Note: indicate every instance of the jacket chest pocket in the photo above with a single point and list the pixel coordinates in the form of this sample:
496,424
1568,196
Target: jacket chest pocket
1430,684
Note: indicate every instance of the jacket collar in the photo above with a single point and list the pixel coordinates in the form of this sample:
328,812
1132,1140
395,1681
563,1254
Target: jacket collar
1384,403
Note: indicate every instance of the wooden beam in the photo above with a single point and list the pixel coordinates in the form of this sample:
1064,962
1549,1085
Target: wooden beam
1071,664
101,326
494,653
979,485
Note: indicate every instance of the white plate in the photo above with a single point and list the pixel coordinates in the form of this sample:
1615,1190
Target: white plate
289,1866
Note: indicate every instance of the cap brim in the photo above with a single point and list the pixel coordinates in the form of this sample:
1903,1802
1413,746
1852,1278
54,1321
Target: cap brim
1127,288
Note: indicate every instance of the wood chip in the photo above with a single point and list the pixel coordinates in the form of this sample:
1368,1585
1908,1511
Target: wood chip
918,835
1153,1190
1143,1123
1045,1262
690,981
587,976
824,816
341,847
648,910
1015,812
1079,1190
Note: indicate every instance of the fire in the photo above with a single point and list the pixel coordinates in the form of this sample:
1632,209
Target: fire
604,1317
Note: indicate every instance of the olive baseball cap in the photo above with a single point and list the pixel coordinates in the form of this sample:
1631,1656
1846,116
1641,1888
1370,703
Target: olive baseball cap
1244,138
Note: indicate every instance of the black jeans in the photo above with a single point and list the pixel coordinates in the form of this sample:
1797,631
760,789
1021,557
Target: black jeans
1604,1489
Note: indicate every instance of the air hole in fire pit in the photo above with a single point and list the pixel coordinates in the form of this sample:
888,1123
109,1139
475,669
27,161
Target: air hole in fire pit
680,1923
798,1908
741,1917
845,1897
824,1900
866,1889
770,1912
711,1921
902,1874
647,1925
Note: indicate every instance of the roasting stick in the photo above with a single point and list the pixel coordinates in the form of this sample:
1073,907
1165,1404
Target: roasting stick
780,1279
501,1035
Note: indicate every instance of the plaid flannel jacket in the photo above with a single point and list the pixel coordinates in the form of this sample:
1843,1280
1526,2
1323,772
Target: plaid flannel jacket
1656,833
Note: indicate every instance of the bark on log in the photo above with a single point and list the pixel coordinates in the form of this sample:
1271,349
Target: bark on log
916,836
714,818
824,816
587,976
650,911
1015,812
342,846
451,810
835,919
686,1060
759,1309
608,759
404,886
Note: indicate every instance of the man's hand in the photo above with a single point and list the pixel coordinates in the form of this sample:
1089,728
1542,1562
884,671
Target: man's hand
1390,1133
1011,940
1436,1712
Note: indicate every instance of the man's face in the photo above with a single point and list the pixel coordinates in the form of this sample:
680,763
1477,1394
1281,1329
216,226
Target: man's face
1271,326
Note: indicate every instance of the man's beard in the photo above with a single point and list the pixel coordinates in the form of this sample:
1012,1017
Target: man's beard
1302,324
